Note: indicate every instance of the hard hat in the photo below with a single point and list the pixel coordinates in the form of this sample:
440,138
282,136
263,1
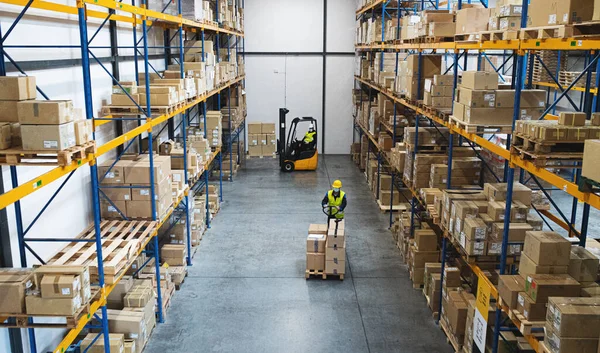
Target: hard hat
312,126
337,184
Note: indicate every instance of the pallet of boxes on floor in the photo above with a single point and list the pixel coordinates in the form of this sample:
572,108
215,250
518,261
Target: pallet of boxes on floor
326,250
262,140
40,132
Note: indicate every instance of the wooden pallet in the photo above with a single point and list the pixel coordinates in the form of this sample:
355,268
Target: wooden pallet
450,337
261,157
525,326
121,242
481,129
470,37
19,156
322,274
559,31
547,160
544,146
135,111
586,29
386,208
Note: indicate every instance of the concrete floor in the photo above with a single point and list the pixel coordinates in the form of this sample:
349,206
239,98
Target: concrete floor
246,291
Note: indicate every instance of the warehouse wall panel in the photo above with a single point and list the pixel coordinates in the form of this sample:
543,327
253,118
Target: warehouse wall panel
340,71
341,26
284,25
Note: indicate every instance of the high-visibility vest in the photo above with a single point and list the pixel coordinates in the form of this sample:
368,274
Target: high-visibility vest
309,137
337,202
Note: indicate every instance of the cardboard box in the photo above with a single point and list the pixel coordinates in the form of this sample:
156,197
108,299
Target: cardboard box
14,284
123,100
442,29
583,265
138,296
315,261
173,254
528,267
268,150
509,287
335,268
533,98
547,248
505,98
83,131
50,112
572,118
574,317
455,309
335,254
591,158
254,128
138,172
13,88
511,23
471,20
131,324
315,243
116,342
479,80
568,345
8,111
317,228
530,309
475,229
113,176
267,128
336,240
54,306
48,137
477,98
115,298
559,12
420,258
426,240
541,286
60,286
143,209
5,136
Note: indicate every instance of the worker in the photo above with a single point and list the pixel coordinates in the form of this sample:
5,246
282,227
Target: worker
309,137
335,199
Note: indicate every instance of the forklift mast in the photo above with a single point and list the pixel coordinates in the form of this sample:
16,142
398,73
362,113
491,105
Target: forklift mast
282,138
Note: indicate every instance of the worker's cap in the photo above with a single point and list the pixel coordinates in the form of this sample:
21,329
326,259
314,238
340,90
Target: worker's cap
337,184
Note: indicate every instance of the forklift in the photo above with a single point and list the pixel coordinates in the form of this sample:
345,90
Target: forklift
294,154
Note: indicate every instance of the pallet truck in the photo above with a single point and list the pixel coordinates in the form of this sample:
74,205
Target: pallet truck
294,154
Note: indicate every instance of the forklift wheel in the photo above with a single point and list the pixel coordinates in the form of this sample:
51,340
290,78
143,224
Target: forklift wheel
288,167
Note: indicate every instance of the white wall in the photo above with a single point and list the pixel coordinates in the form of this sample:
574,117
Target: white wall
296,82
70,212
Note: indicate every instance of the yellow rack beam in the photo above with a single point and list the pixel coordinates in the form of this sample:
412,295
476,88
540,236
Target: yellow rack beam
32,185
593,91
552,178
515,44
165,19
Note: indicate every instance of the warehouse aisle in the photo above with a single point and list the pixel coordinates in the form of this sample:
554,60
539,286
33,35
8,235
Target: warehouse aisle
246,291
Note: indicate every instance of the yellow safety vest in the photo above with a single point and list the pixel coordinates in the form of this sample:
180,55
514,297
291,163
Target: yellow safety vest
309,137
337,202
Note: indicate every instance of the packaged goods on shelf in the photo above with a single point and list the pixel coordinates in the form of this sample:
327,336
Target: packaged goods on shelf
472,20
16,88
15,285
407,82
438,93
590,168
583,265
92,345
559,12
173,254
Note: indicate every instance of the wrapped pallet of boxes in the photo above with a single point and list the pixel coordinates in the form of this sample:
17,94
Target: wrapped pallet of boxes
46,125
335,251
315,247
92,345
15,284
572,325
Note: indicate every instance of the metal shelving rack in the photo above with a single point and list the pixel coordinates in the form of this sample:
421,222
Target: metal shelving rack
523,51
138,16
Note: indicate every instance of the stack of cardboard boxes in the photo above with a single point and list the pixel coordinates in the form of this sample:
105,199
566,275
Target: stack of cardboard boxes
430,23
571,126
213,200
432,287
12,91
92,345
439,91
479,101
335,251
455,303
506,16
561,12
315,247
424,250
126,184
262,140
59,290
407,82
